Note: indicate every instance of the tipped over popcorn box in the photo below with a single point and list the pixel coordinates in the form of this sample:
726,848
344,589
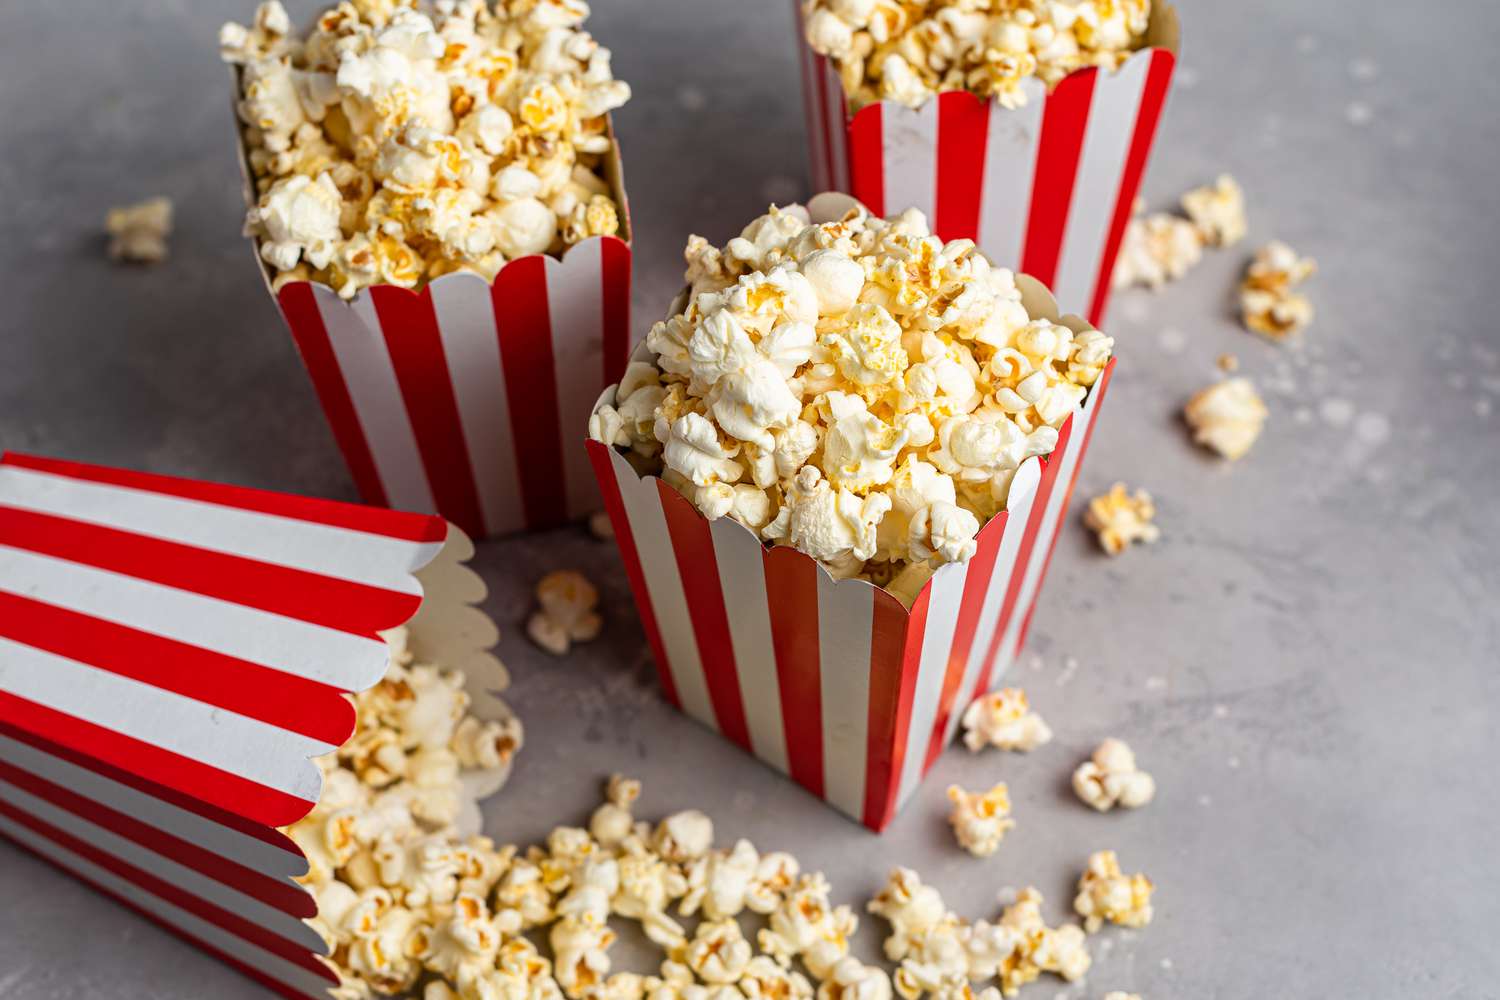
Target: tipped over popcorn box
1043,179
172,655
840,684
436,198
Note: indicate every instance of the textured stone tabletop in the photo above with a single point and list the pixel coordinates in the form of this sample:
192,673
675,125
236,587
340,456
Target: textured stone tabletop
1306,661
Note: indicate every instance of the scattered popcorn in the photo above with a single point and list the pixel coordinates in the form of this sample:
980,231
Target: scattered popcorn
980,819
906,52
859,390
1110,778
1218,211
1120,518
1121,995
1106,893
1228,363
1268,303
139,232
396,142
1004,719
1155,249
1227,417
567,612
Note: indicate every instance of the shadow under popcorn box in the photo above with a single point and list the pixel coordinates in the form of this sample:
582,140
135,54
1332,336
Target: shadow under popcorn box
1046,189
453,398
173,653
836,683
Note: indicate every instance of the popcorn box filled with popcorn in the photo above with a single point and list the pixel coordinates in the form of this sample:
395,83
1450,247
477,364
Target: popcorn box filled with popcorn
437,200
845,687
1042,178
175,652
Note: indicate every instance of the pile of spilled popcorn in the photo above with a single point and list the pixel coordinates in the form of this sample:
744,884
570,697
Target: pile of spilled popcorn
857,389
908,50
399,140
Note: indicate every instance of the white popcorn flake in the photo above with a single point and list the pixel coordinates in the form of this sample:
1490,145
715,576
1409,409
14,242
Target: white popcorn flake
1155,249
1120,518
1268,303
1110,778
980,820
1227,416
1218,211
139,232
1105,893
1004,719
1121,995
566,614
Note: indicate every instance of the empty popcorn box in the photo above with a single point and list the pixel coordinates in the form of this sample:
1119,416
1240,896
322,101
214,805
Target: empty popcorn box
173,653
835,683
1046,188
454,398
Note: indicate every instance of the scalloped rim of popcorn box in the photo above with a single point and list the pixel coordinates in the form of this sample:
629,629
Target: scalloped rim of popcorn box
1038,301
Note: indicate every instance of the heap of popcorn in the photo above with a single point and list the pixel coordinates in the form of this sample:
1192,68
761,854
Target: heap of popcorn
909,50
397,141
857,389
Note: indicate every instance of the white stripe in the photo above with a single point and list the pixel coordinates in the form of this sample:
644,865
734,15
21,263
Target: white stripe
192,882
224,841
278,968
375,560
575,309
846,615
346,661
908,144
937,643
742,579
838,128
205,733
466,323
365,365
1009,169
653,544
1101,166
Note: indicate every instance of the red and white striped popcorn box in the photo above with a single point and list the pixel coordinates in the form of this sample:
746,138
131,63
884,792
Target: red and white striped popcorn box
173,653
460,398
1046,188
835,683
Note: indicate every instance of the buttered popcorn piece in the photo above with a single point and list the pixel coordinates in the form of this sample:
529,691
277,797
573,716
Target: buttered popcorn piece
1120,518
1218,211
1110,778
566,615
1004,719
1227,416
1268,303
906,52
139,232
1156,249
980,819
395,142
1105,893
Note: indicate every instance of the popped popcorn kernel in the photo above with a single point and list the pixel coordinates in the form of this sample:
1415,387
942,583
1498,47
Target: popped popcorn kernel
1004,719
567,614
1121,995
1227,416
1110,778
980,820
1155,249
1268,303
1218,211
1105,893
139,232
1120,518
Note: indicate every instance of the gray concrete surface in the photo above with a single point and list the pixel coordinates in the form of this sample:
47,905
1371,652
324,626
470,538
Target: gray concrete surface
1306,660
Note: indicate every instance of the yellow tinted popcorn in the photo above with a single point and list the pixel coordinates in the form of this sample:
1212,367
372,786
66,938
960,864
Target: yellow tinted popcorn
1227,416
1004,719
139,232
1105,893
1120,518
1268,303
980,819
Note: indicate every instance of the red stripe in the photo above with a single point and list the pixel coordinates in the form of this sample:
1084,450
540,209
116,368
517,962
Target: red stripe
867,158
792,598
253,933
171,796
415,345
977,581
609,489
962,134
356,608
524,326
300,309
275,985
1153,98
895,661
1065,118
272,696
614,256
351,517
242,796
693,547
281,894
